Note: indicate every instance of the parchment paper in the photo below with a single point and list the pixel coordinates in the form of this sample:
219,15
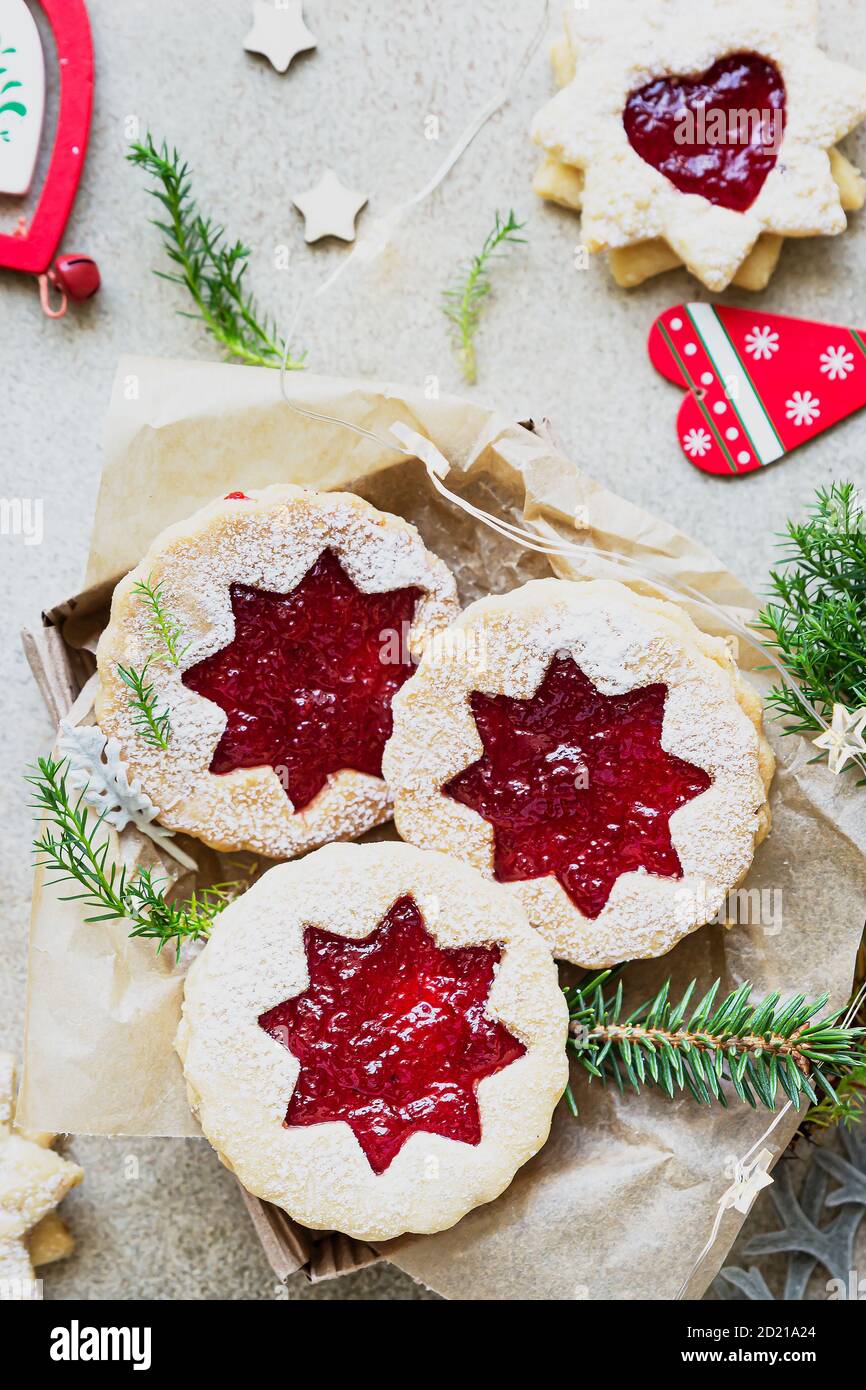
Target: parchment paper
619,1203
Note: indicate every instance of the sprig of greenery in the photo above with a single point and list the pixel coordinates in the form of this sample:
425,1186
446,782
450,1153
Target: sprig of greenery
848,1107
817,623
463,300
151,723
757,1048
166,630
210,268
70,847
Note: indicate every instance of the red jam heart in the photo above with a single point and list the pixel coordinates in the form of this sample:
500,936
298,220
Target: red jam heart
391,1035
718,134
576,783
306,682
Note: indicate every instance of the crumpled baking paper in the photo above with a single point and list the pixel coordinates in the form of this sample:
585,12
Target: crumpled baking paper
619,1203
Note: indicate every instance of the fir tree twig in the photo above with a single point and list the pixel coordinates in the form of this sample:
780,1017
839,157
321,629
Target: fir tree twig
70,846
151,723
167,631
817,621
462,301
210,268
758,1048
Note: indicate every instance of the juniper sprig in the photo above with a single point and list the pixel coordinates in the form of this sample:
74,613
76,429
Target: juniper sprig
209,267
151,723
165,629
463,300
71,846
816,621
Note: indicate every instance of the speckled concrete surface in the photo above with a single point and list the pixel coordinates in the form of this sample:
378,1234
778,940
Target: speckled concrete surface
556,340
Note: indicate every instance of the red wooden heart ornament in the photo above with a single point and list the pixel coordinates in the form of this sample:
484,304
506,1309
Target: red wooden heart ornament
717,134
757,385
33,250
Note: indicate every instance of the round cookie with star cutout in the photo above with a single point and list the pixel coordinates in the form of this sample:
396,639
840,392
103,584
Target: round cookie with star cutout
249,664
594,751
374,1039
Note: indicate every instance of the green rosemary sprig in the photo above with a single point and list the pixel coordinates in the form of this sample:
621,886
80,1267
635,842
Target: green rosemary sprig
210,268
151,723
167,631
757,1048
70,846
817,622
462,301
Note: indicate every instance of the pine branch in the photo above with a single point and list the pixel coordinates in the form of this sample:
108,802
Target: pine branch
817,622
211,269
758,1048
462,301
70,847
151,723
166,630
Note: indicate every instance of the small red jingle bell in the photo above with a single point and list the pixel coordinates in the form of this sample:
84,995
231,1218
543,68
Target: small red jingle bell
75,277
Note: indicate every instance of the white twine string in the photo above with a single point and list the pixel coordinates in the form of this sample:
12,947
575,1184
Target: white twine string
417,446
413,445
744,1189
750,1175
374,240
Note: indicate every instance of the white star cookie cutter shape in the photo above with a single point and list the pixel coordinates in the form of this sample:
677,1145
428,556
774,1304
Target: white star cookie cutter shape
620,49
279,32
330,209
846,737
33,1181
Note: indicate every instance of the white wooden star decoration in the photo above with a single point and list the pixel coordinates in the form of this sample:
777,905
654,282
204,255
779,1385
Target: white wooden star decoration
846,737
279,32
330,208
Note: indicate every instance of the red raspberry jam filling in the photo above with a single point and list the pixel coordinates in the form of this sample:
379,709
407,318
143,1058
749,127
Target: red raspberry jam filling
391,1034
717,134
576,783
306,682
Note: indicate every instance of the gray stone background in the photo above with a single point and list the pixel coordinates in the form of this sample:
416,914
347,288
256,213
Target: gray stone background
556,340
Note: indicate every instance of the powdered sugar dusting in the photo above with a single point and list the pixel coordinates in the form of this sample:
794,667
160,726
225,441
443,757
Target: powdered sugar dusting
240,1079
619,47
621,641
268,540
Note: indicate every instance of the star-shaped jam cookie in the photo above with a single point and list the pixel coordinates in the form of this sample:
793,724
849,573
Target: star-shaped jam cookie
392,1034
308,679
577,784
702,134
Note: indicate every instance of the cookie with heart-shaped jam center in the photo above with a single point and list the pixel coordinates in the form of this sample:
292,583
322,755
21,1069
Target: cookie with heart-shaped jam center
699,134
